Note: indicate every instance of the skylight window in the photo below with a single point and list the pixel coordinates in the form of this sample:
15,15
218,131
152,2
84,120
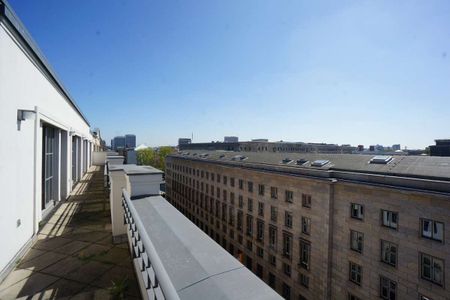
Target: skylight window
381,159
301,161
239,157
286,161
320,163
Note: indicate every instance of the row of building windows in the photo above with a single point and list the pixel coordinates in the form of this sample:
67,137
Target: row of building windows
288,195
430,229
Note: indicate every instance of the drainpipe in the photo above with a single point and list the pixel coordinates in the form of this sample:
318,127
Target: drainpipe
35,177
330,238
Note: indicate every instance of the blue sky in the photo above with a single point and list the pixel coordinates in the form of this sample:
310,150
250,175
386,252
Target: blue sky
358,72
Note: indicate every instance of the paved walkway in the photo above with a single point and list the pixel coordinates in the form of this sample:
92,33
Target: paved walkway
73,257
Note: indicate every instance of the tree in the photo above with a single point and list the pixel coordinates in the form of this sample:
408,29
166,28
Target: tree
162,153
146,157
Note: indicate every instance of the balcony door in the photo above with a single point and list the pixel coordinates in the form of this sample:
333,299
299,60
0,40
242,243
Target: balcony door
49,157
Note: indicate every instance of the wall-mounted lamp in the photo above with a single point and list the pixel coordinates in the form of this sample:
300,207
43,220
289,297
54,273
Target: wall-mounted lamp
71,132
23,115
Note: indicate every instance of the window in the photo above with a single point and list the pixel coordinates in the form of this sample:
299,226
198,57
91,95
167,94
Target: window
306,225
286,291
273,213
249,246
305,253
225,178
273,192
212,176
306,200
389,253
224,212
260,252
241,184
356,241
218,193
357,211
287,269
355,273
232,198
261,209
250,204
288,219
224,192
241,201
389,219
250,187
259,271
218,178
259,230
304,280
231,215
432,269
232,181
272,237
239,220
249,225
432,230
289,196
261,189
272,280
353,297
287,245
388,289
249,262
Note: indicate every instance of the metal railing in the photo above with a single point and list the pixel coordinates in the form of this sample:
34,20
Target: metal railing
154,279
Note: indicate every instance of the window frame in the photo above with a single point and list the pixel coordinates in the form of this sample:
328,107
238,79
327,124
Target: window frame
389,287
389,219
361,211
382,242
433,222
351,240
432,266
357,272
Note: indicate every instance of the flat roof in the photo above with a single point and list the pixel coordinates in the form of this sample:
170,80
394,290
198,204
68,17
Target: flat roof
426,167
132,169
6,12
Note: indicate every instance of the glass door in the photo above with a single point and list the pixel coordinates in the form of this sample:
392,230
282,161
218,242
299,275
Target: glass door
48,165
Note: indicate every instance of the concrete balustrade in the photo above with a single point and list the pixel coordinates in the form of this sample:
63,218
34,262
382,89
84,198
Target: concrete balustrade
139,181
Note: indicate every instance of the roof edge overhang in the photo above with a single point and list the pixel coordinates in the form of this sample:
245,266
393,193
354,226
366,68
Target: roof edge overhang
13,23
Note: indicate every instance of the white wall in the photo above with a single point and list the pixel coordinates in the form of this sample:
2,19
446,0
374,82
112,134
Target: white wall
24,86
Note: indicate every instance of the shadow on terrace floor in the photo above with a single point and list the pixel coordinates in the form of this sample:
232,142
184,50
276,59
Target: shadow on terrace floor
73,256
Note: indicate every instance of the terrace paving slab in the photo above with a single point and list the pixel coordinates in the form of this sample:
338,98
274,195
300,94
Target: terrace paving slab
28,287
73,256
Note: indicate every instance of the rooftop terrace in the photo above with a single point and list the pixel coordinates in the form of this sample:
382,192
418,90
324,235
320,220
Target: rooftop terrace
73,254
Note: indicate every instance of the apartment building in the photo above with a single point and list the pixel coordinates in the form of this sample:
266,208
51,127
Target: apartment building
48,142
324,226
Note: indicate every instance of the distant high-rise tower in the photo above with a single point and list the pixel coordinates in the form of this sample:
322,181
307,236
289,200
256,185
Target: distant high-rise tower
119,142
130,141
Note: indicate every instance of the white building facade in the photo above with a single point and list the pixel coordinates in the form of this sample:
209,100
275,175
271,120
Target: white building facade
47,143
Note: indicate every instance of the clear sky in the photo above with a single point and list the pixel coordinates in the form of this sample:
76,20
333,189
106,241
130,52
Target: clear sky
358,72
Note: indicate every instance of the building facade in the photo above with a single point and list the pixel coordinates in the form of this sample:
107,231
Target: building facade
49,142
442,148
130,141
263,145
324,226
